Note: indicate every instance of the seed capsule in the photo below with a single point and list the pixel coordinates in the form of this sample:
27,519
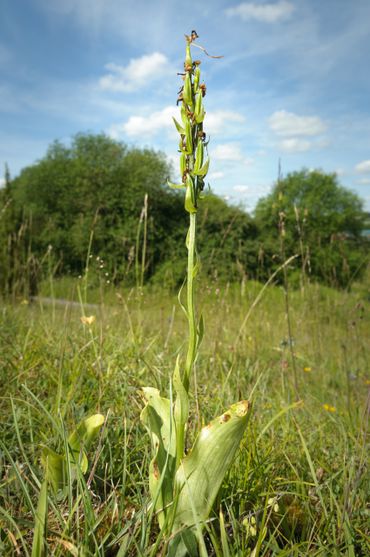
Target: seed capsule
196,79
199,110
199,153
182,164
187,93
188,58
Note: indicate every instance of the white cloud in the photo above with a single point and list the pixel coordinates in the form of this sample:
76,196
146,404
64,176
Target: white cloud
241,188
340,172
216,175
295,145
229,152
2,182
267,13
285,123
363,167
217,120
146,126
138,73
364,181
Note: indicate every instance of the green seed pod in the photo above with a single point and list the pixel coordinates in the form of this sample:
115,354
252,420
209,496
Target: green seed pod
184,116
203,170
190,201
199,154
182,164
187,93
199,110
182,145
188,137
196,79
188,58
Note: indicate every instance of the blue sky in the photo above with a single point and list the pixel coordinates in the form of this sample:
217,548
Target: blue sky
293,83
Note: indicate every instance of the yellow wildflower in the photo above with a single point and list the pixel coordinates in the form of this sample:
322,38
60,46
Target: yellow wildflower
307,369
329,408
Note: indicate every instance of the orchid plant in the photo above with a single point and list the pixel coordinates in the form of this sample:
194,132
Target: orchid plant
184,486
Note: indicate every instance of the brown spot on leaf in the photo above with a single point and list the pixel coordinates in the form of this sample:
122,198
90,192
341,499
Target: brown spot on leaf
225,418
156,470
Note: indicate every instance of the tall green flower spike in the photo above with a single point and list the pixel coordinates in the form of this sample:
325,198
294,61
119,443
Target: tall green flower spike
184,487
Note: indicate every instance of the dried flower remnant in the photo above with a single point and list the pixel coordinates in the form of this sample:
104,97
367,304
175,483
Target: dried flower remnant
88,319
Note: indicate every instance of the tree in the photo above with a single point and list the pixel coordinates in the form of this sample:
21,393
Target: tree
311,214
94,191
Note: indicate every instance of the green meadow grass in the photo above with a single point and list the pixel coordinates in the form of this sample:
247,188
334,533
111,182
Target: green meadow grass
299,485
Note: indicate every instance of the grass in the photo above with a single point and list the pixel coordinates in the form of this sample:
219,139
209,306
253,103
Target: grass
299,485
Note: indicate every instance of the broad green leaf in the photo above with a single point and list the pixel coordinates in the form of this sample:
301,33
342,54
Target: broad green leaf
79,440
86,432
55,468
38,544
200,474
185,544
158,419
83,436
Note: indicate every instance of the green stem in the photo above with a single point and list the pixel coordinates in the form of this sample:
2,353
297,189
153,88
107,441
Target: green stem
190,357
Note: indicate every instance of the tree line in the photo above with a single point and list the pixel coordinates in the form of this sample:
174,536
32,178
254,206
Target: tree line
101,203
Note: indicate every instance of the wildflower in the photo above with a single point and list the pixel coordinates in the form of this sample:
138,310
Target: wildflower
272,502
307,369
250,526
329,408
87,319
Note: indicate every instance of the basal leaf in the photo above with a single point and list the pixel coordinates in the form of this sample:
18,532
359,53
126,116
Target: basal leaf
158,419
200,474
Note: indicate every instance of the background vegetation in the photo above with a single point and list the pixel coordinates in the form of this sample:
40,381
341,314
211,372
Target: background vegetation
99,197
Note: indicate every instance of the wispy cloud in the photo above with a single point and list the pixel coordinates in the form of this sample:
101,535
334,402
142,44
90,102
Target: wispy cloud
267,13
293,131
363,167
364,181
230,152
285,123
294,145
216,175
241,188
218,120
138,73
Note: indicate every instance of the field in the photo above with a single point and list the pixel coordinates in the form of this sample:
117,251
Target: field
299,484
